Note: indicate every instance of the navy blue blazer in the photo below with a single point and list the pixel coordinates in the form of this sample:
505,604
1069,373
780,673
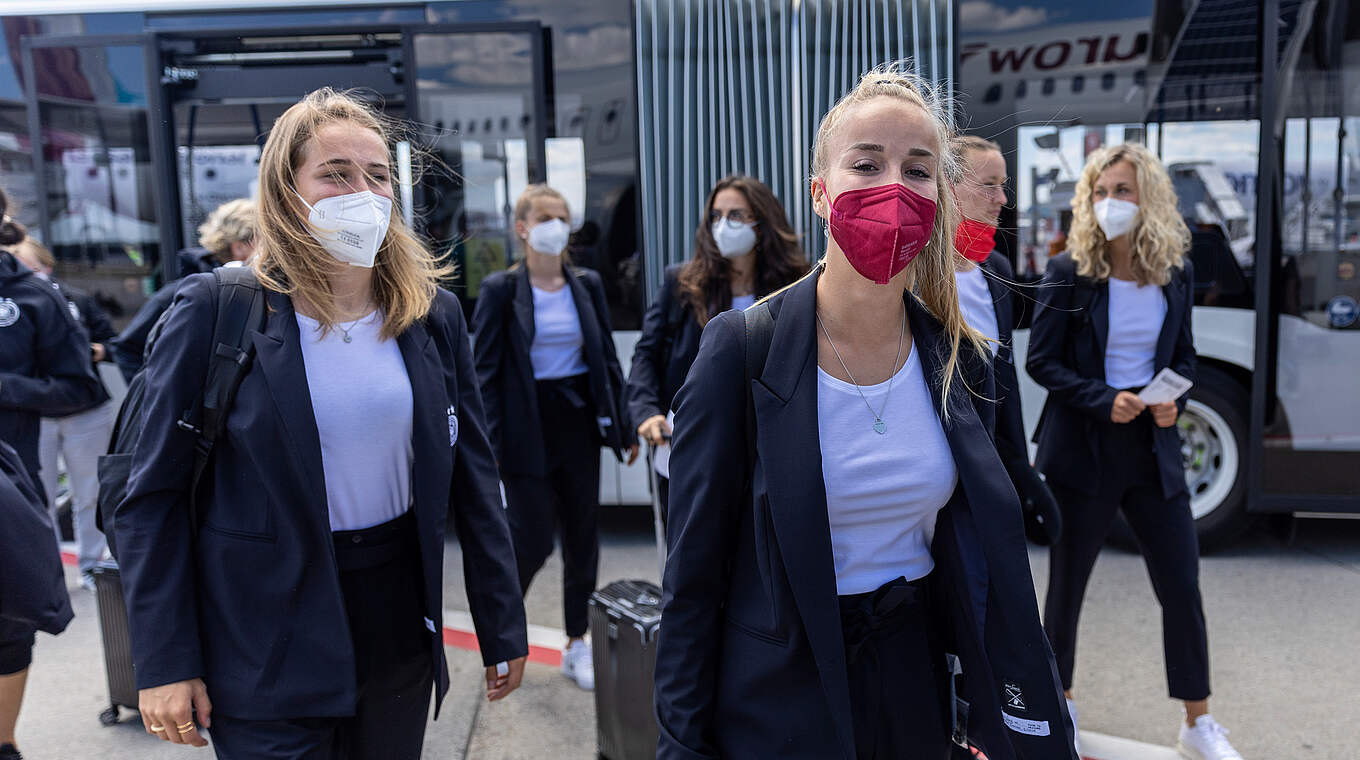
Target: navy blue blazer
751,659
503,324
1010,422
45,368
254,605
1067,356
664,352
129,348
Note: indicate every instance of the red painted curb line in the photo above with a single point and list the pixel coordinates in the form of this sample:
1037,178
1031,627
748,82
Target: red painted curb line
454,637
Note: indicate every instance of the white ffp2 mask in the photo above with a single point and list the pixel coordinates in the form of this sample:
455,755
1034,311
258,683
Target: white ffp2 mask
351,227
550,237
1114,216
734,239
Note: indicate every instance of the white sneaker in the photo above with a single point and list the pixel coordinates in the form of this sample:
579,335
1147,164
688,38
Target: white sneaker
578,664
1206,741
1076,731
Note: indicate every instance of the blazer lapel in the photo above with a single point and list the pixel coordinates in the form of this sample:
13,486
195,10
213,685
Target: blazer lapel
524,304
593,348
1174,291
785,399
975,457
1100,317
279,353
431,434
590,326
1001,304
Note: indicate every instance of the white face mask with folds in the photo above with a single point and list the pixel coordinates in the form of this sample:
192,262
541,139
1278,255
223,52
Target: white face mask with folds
550,237
734,239
1115,217
351,227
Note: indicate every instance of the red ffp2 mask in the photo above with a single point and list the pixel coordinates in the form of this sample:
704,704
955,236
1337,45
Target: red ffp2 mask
881,229
975,240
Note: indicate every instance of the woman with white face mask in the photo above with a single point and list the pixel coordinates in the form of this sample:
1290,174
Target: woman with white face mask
1114,310
297,611
554,395
744,249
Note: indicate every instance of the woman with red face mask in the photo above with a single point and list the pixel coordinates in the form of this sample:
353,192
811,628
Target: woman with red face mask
847,564
990,304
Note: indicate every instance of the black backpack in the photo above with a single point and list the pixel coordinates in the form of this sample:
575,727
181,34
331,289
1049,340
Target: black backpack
240,310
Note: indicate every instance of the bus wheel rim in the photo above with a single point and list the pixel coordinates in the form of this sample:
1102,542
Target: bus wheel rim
1210,456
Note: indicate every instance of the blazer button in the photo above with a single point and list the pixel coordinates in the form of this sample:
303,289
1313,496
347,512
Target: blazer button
357,539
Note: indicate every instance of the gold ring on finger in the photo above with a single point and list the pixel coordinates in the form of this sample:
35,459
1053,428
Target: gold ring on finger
185,728
158,729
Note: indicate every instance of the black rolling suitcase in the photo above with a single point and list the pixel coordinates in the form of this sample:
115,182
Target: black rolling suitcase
624,619
113,628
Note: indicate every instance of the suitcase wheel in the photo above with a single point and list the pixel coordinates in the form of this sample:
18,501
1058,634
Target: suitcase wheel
109,717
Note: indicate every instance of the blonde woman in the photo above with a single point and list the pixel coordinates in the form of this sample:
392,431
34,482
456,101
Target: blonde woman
303,620
1115,310
553,389
811,600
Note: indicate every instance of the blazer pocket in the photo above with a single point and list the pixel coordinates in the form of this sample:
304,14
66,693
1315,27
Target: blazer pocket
755,633
244,535
249,522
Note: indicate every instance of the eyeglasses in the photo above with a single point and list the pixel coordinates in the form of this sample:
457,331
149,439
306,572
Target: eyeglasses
734,217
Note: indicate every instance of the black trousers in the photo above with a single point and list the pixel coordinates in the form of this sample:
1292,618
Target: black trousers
565,501
1165,530
381,579
895,663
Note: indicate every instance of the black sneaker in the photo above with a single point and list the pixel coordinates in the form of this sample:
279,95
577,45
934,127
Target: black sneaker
10,752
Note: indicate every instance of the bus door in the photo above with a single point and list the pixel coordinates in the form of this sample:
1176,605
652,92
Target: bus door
223,94
480,96
93,145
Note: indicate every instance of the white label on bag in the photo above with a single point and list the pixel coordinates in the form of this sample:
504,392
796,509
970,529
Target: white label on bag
1023,726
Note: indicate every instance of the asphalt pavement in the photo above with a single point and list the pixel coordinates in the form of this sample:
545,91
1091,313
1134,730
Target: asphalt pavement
1284,628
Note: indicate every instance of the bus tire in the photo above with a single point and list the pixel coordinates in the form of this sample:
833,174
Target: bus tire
1214,448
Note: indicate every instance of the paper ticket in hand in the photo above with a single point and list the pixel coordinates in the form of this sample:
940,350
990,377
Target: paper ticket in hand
1166,386
661,455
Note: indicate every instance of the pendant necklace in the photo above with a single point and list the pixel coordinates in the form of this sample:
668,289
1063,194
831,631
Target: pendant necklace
879,426
344,331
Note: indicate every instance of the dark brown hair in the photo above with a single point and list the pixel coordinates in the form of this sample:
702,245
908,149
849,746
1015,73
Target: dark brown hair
11,232
705,280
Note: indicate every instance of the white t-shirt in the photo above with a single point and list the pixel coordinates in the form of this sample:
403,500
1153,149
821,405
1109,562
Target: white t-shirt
883,492
558,347
361,398
742,303
975,300
1136,316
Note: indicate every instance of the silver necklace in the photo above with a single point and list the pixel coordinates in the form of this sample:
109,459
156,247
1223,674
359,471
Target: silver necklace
344,331
879,426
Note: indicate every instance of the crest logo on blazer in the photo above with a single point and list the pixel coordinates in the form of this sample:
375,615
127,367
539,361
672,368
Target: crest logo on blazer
453,426
9,312
1015,698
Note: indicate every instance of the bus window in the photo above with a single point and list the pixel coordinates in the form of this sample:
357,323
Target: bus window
101,215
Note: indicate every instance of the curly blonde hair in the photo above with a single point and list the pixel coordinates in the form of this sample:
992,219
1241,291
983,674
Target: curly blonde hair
1159,238
290,261
232,222
931,275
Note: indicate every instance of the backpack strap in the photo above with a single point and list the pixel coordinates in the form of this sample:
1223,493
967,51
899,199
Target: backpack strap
240,310
759,332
